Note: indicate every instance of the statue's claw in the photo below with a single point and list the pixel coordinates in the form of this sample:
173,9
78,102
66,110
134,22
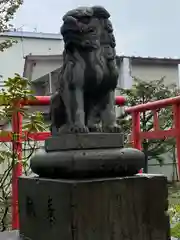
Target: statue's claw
79,129
95,128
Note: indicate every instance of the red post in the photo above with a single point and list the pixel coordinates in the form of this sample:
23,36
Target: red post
45,100
17,169
156,121
176,117
136,130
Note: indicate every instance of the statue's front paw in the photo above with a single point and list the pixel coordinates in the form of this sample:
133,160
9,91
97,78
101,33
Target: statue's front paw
95,128
78,128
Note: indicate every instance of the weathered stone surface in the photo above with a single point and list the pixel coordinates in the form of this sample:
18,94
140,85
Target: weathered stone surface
89,163
100,209
84,100
84,141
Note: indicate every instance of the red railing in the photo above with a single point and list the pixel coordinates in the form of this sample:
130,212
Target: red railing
157,133
137,135
17,147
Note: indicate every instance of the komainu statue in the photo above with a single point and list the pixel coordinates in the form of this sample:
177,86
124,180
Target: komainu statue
84,100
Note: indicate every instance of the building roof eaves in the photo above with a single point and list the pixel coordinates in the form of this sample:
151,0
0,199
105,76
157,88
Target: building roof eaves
37,35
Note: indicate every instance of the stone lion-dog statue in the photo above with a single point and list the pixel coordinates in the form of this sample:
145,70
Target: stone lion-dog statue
84,99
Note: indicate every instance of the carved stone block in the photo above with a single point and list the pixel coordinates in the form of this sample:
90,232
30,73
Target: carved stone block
100,209
88,163
84,141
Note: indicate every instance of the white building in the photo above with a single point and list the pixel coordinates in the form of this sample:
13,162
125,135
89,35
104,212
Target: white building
28,43
41,69
12,60
148,69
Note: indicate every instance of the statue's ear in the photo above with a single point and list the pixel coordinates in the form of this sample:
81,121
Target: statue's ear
100,12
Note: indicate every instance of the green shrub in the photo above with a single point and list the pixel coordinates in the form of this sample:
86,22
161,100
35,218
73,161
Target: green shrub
174,213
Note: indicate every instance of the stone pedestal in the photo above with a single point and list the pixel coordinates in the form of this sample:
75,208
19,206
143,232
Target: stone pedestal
83,192
132,208
92,155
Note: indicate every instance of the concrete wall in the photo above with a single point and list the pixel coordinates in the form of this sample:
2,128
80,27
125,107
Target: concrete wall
149,72
169,168
41,88
12,59
43,67
146,71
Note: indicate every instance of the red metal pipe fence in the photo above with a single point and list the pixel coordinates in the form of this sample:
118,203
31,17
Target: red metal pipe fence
17,168
21,136
157,133
137,135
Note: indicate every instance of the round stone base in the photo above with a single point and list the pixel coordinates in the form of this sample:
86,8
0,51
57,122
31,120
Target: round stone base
78,164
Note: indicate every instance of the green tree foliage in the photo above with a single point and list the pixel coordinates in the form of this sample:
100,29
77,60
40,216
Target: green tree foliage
16,89
143,92
7,10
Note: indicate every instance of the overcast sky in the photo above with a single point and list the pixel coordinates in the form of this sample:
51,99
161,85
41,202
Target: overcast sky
142,27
